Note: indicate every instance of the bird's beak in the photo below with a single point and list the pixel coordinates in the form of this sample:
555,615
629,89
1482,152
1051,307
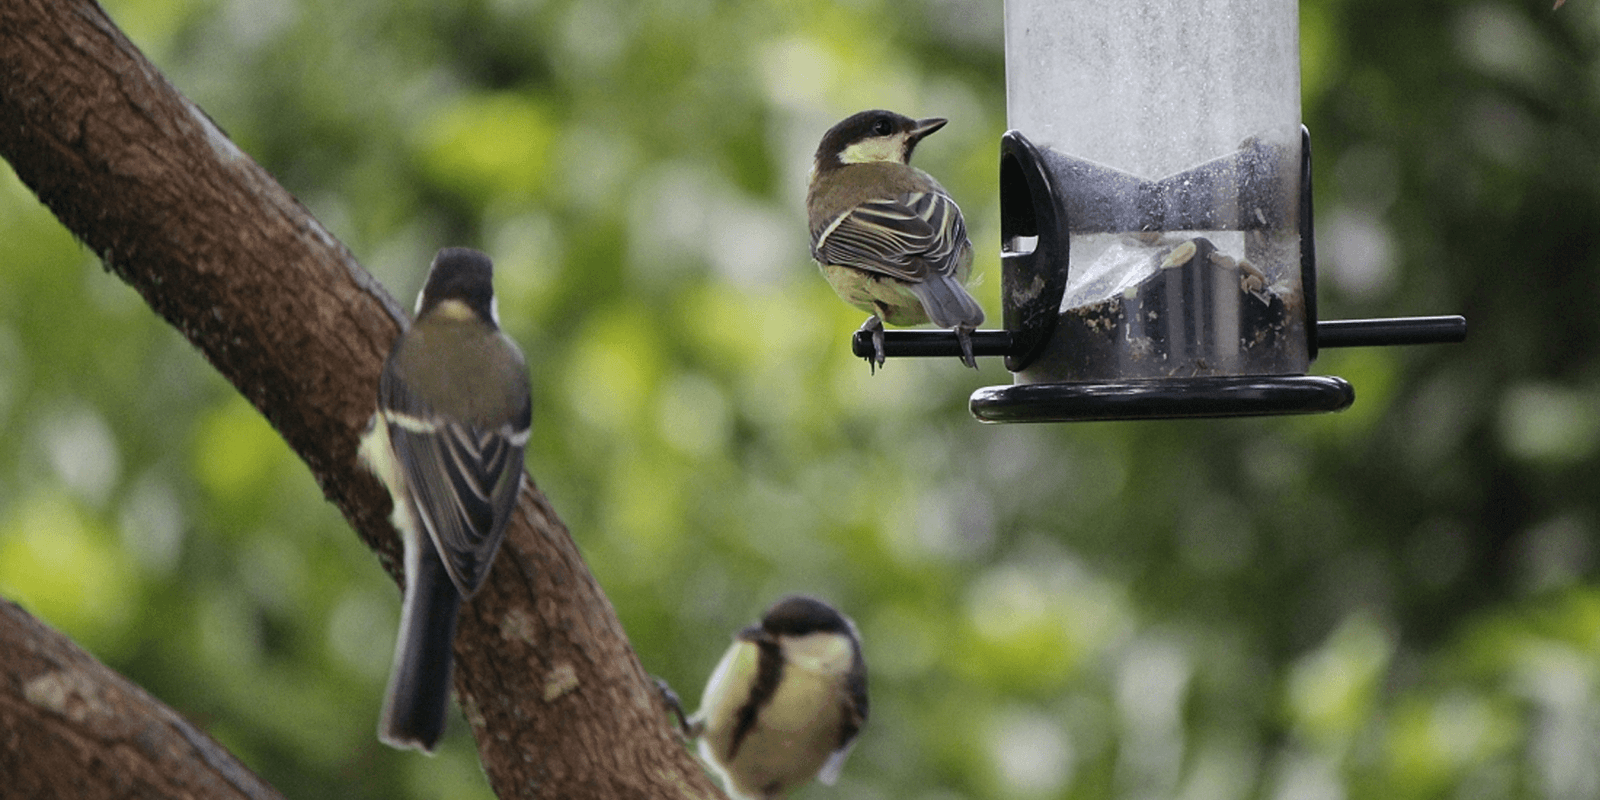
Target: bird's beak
927,126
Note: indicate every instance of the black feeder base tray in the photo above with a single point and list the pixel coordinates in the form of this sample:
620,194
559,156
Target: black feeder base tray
1166,398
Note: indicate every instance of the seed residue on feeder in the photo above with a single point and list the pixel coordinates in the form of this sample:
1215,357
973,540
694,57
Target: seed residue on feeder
1180,255
1180,306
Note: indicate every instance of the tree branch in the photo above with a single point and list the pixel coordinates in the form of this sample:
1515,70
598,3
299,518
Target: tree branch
558,701
70,727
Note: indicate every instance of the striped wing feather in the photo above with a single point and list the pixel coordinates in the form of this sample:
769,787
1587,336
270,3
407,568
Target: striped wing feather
902,237
464,481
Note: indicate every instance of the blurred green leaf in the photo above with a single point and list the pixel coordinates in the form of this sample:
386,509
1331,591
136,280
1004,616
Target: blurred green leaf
1394,601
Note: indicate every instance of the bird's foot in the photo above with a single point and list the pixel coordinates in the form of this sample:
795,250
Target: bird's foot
875,325
675,705
964,336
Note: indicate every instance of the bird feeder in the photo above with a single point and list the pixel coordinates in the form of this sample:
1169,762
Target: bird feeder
1156,229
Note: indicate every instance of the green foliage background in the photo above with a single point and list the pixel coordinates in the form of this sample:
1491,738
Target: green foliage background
1398,601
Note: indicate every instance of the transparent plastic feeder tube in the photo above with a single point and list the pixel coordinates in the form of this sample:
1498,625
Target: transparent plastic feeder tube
1172,128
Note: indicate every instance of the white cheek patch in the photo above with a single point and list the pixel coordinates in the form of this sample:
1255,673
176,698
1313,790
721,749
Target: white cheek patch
878,148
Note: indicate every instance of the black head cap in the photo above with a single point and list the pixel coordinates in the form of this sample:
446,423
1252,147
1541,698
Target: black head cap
865,125
460,273
798,615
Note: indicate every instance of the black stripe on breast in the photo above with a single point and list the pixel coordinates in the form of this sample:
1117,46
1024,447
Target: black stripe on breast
769,671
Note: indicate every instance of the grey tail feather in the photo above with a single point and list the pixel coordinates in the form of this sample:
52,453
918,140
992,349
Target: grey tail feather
418,697
947,303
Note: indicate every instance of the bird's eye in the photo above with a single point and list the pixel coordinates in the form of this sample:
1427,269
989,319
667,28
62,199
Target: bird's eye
882,128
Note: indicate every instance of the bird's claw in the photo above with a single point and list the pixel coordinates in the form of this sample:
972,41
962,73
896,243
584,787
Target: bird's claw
674,705
875,325
964,336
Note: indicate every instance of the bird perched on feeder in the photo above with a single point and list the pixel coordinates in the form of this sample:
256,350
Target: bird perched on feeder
887,236
786,701
447,442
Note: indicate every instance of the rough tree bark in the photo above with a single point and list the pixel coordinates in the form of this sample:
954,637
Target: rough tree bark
557,700
71,727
